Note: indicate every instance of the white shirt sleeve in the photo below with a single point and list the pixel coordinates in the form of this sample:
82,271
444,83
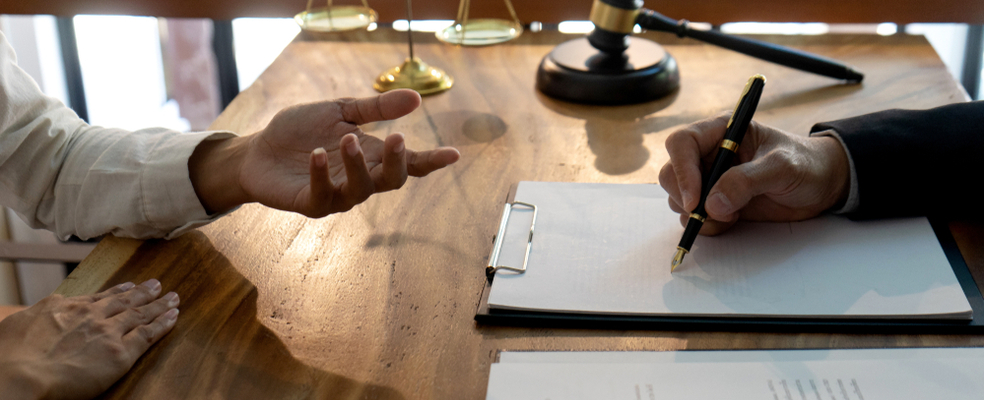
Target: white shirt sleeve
61,174
851,204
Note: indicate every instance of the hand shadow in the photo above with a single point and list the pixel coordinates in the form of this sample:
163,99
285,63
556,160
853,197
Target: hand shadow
218,347
615,133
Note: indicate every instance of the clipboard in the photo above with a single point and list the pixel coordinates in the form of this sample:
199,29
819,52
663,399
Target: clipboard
488,316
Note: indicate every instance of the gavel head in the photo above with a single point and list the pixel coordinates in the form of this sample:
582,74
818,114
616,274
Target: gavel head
614,21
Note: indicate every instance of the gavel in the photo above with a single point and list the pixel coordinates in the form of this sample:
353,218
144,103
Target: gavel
587,70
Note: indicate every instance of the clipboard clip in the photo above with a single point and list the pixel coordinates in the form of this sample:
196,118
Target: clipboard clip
498,245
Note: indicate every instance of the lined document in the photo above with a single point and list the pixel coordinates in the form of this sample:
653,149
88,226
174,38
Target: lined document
606,249
899,374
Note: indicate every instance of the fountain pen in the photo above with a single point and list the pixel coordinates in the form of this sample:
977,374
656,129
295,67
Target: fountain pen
734,132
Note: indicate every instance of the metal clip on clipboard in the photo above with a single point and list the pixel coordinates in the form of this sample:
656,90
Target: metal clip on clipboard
498,245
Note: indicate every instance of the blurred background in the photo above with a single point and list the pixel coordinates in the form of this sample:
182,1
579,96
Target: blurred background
142,71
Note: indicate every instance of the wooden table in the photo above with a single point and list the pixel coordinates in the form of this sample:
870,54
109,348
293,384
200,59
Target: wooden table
379,302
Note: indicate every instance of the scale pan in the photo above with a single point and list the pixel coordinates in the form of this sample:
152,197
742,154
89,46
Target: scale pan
336,18
480,32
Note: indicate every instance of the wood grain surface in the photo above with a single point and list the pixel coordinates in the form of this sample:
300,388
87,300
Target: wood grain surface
378,302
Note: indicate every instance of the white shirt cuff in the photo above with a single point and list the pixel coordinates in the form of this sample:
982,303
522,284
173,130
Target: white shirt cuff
169,199
851,204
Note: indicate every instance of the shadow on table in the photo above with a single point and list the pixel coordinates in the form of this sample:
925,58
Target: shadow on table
218,349
615,133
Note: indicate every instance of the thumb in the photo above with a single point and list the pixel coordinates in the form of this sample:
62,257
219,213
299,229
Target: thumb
741,183
390,105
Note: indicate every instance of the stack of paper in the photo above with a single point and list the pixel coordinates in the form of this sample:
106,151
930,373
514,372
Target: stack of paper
606,249
899,374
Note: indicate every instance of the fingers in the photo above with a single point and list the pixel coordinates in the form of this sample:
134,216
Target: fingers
359,184
676,206
135,297
686,148
682,178
123,287
135,317
397,164
138,340
668,180
394,171
710,227
743,182
389,105
421,163
322,188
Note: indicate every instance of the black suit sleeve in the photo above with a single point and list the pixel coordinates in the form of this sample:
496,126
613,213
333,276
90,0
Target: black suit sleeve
924,162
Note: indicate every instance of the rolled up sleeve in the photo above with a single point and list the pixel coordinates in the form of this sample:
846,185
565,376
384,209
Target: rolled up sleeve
61,174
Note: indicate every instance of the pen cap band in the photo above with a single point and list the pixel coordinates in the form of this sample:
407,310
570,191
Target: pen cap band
691,231
730,145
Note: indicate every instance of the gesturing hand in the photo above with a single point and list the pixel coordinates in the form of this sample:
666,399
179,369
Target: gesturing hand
313,158
780,177
77,347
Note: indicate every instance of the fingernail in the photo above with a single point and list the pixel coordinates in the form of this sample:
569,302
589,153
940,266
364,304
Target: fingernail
686,197
171,316
352,147
718,204
321,157
152,284
172,299
125,286
400,146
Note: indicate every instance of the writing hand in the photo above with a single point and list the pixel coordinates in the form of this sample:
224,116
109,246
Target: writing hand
313,159
779,176
77,347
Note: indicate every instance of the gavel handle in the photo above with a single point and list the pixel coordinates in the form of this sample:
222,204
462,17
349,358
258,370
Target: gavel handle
804,61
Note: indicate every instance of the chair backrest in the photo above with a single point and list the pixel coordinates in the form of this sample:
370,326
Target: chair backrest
546,11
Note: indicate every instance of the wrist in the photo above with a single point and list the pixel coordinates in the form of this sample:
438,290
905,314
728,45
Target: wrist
838,171
17,383
214,169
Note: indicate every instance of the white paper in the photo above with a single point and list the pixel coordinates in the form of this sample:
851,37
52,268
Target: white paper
606,249
899,374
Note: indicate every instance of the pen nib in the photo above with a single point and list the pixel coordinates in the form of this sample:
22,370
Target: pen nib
678,259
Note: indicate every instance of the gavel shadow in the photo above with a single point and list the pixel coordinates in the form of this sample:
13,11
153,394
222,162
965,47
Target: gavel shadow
218,348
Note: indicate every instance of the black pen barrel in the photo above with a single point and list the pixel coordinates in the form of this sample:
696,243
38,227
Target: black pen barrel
723,160
722,163
690,233
734,133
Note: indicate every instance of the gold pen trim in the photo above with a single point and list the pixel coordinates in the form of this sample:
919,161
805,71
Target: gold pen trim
743,95
678,258
697,217
730,145
612,18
